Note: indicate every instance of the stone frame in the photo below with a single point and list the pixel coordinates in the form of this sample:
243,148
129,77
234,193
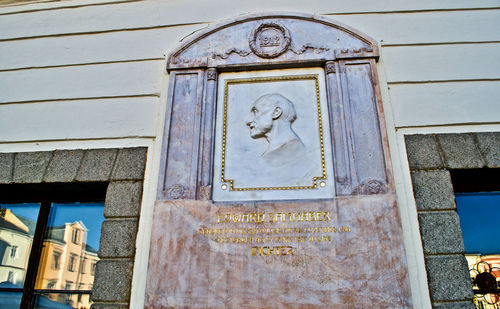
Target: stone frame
123,170
348,58
430,157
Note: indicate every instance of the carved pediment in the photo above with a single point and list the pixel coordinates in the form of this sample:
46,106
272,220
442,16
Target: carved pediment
272,38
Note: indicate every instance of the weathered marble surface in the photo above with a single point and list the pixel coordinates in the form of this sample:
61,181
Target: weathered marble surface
363,268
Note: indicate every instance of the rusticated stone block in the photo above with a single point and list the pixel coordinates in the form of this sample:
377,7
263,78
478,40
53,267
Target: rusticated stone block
433,190
123,199
448,278
64,166
29,167
130,164
118,238
423,152
460,151
441,232
97,165
113,280
489,145
455,305
6,167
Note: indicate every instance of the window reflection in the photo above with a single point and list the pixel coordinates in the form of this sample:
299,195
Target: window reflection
69,247
17,227
479,214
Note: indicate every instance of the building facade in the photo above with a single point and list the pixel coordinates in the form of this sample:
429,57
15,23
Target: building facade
83,98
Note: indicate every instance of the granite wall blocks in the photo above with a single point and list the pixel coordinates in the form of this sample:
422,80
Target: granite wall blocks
130,164
113,280
64,166
108,306
460,151
433,190
123,199
113,276
97,165
29,167
448,278
118,238
6,167
441,233
455,305
489,145
423,152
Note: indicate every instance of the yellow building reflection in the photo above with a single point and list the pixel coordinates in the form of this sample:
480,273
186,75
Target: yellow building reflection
67,262
15,246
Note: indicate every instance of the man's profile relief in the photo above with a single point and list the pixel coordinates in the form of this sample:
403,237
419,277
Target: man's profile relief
271,118
270,136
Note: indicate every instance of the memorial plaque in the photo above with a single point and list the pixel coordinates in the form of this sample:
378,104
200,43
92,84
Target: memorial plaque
275,187
272,138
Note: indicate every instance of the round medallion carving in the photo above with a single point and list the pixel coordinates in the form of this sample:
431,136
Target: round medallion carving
176,191
269,40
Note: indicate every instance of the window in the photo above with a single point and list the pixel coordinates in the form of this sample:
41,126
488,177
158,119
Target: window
82,268
11,277
57,259
477,197
68,285
75,236
13,252
92,270
42,220
51,284
72,261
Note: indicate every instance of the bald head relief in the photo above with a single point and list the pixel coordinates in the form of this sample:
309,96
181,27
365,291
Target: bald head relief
271,117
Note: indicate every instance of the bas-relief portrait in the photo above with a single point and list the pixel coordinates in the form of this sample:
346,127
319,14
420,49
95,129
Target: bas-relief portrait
272,137
286,157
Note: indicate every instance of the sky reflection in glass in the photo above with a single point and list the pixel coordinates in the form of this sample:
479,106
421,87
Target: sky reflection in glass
91,214
480,221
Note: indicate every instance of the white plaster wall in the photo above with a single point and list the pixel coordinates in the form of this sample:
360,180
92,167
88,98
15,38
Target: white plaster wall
91,74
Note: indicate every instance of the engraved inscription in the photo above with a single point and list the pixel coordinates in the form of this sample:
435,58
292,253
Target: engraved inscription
269,40
270,236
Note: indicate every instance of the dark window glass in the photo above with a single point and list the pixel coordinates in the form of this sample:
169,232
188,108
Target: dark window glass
477,196
45,247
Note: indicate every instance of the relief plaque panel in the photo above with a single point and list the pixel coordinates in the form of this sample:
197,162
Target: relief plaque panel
275,184
272,138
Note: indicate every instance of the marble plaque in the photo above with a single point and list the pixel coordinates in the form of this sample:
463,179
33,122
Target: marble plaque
345,253
272,137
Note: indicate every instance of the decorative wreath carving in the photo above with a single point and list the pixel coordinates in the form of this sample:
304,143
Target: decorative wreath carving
371,186
269,40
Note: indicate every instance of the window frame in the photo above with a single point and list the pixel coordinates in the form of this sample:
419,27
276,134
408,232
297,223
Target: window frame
46,194
431,159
